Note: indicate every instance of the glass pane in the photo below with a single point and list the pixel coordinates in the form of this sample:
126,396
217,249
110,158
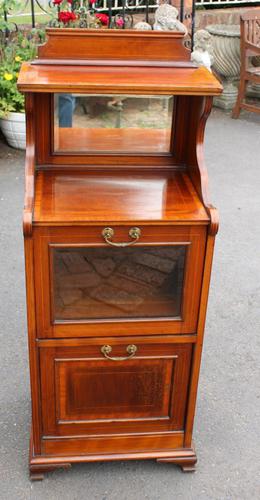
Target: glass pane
136,282
112,123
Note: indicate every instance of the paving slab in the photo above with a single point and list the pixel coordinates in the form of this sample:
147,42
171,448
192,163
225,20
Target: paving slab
227,426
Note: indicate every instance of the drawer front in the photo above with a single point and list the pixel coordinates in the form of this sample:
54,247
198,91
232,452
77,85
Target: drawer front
89,390
86,286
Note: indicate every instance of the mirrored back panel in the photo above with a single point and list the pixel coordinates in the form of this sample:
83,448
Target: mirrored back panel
113,124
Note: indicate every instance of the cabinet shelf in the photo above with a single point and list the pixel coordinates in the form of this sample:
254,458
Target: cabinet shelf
80,197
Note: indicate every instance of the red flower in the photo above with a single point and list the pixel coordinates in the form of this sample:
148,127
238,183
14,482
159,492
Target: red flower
92,2
120,22
65,16
58,2
103,18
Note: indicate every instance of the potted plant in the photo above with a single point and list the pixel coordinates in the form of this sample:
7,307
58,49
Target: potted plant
13,52
85,14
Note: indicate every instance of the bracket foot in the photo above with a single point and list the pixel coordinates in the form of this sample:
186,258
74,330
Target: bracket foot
37,471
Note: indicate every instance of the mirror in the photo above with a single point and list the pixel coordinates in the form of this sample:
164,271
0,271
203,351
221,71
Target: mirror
112,123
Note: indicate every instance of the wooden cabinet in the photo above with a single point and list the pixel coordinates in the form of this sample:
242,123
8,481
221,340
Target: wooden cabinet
119,236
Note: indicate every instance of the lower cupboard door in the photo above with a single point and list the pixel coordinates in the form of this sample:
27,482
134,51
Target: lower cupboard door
141,388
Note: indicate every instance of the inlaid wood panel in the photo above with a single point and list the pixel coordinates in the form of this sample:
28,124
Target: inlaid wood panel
83,392
91,390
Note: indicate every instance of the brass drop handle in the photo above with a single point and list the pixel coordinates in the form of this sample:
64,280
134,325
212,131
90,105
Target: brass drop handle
108,234
107,349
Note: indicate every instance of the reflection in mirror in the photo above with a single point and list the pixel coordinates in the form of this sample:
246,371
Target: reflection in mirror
112,123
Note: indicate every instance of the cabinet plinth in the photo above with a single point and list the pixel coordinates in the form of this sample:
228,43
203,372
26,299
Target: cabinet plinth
119,237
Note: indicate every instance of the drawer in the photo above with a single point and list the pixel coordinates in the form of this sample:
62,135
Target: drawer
113,386
86,286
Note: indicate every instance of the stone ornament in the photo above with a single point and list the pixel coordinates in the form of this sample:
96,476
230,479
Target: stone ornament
226,49
226,54
202,53
142,25
166,19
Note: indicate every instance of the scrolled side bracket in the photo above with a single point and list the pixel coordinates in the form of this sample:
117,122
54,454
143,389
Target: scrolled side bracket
214,220
200,111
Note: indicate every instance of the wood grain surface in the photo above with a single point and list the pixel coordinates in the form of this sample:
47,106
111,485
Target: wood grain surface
114,80
160,197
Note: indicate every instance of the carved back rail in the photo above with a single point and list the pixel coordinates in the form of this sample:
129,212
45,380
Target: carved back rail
250,30
105,44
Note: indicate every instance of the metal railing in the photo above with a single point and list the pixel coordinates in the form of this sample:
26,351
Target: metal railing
36,9
35,12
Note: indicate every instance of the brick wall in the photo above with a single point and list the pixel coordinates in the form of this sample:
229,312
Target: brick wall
219,16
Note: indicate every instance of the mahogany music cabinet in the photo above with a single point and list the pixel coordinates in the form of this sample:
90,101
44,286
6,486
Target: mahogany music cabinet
119,234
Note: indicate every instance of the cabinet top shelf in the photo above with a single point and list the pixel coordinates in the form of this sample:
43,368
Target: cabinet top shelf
118,79
80,197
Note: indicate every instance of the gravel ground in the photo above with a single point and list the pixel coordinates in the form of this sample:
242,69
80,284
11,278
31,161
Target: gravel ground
227,424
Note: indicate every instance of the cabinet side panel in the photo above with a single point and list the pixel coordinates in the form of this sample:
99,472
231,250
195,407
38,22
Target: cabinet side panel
195,369
33,352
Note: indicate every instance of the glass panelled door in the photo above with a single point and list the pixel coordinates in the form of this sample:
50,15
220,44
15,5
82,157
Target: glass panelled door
114,283
85,286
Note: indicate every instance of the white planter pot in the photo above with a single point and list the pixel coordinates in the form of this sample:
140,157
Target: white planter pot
13,128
